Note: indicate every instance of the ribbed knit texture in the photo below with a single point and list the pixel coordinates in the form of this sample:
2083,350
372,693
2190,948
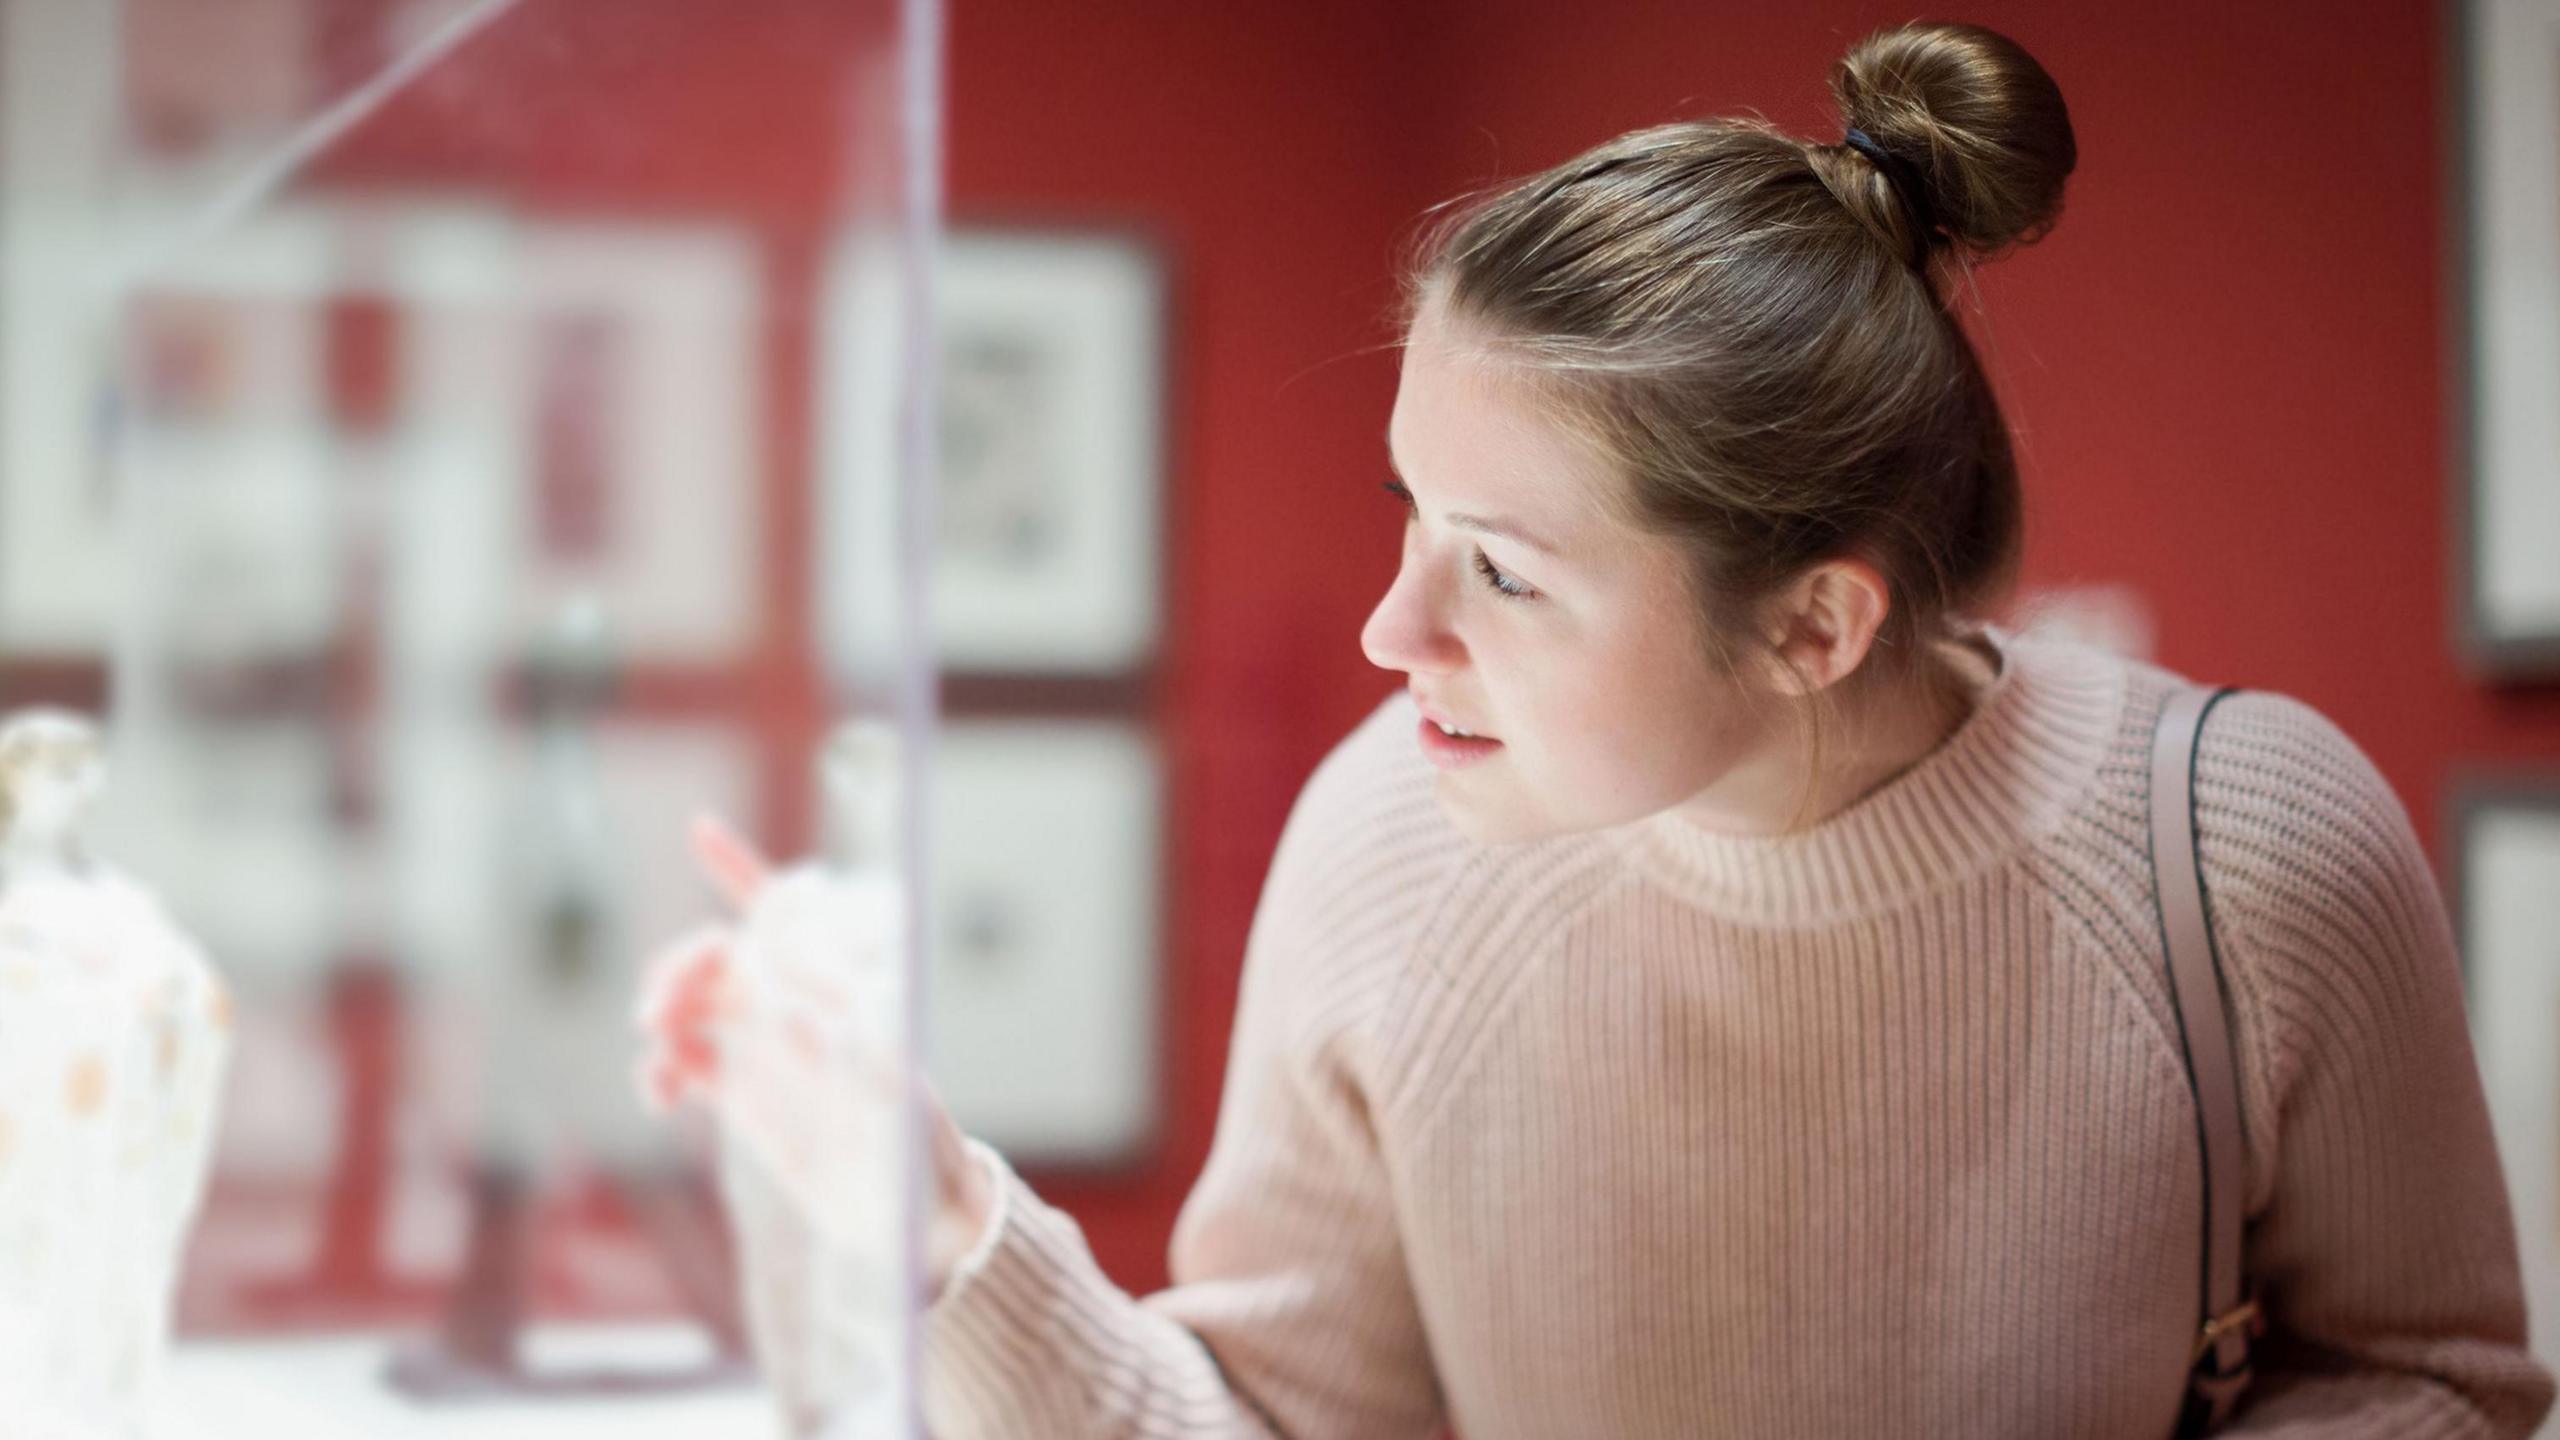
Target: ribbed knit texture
1877,1130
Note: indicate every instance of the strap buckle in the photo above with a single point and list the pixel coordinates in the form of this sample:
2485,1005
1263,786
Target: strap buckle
2246,1316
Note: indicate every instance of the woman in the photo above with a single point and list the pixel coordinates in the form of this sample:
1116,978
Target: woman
1756,1022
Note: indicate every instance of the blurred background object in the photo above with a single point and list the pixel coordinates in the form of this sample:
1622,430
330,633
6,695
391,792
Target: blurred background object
2502,805
115,1031
2111,617
2507,110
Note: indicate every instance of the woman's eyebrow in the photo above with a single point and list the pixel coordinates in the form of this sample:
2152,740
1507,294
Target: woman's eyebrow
1493,524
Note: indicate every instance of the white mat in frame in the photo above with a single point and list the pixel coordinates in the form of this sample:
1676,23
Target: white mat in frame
1049,433
675,377
2507,837
1043,1003
643,336
2506,115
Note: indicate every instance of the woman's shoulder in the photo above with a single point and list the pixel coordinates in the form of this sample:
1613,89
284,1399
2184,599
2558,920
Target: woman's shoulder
2279,783
1380,916
2277,776
1372,803
1369,831
1374,771
2310,860
1366,827
1362,864
2336,945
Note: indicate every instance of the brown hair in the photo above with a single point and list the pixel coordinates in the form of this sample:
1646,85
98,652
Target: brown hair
1752,326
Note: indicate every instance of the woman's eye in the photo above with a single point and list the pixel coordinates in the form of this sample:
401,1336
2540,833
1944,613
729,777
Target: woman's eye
1499,581
1508,587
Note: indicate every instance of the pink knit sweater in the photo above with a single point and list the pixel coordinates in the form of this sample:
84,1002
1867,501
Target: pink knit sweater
1876,1130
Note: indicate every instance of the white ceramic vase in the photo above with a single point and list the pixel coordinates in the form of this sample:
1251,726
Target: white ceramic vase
115,1035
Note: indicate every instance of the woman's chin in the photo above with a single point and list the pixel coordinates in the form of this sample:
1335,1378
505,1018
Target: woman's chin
1486,818
1484,824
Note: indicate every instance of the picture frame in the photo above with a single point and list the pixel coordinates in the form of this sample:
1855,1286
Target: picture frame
2505,831
644,475
1050,453
1046,870
607,422
217,358
2504,203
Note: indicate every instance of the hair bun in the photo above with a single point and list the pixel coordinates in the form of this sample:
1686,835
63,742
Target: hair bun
1974,116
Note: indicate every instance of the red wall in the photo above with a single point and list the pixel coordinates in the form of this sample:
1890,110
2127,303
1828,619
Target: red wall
2225,368
1262,148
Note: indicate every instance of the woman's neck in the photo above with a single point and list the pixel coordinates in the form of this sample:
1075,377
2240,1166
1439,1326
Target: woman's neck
1915,732
1865,757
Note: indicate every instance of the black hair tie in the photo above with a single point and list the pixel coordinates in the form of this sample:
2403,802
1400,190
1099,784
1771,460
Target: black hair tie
1906,180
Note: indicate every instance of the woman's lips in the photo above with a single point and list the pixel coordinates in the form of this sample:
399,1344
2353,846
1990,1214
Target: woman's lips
1452,752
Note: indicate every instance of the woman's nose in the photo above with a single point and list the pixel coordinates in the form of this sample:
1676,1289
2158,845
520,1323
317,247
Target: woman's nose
1405,633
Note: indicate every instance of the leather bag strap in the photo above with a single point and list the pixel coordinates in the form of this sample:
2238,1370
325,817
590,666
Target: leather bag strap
2229,1320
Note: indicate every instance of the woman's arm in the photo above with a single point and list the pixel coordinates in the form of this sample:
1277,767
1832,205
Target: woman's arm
2384,1248
1290,1313
1288,1316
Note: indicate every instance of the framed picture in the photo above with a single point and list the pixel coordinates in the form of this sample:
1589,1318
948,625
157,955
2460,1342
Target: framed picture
2507,843
590,387
56,357
1049,448
2507,494
644,482
1042,1013
200,398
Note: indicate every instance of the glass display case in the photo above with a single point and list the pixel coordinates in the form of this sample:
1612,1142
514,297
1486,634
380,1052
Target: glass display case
411,462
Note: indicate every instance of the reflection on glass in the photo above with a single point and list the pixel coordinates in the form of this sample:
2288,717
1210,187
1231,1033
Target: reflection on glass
401,407
811,1088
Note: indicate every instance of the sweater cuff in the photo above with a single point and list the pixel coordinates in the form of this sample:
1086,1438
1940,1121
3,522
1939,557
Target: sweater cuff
1017,1320
999,1178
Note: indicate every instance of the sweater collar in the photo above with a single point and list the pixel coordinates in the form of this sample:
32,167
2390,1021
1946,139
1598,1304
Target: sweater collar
2014,769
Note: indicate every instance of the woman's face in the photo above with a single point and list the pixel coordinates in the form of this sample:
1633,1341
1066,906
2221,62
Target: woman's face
1589,680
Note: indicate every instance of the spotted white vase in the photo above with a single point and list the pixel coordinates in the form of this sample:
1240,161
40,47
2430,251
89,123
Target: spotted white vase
115,1034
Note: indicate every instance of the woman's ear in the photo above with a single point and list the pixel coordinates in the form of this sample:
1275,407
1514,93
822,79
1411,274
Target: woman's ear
1826,622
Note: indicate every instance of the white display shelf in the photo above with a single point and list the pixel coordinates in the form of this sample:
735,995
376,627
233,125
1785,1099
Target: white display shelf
331,1389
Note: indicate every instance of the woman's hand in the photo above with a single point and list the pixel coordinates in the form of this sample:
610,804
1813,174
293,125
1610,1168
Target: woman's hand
688,993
